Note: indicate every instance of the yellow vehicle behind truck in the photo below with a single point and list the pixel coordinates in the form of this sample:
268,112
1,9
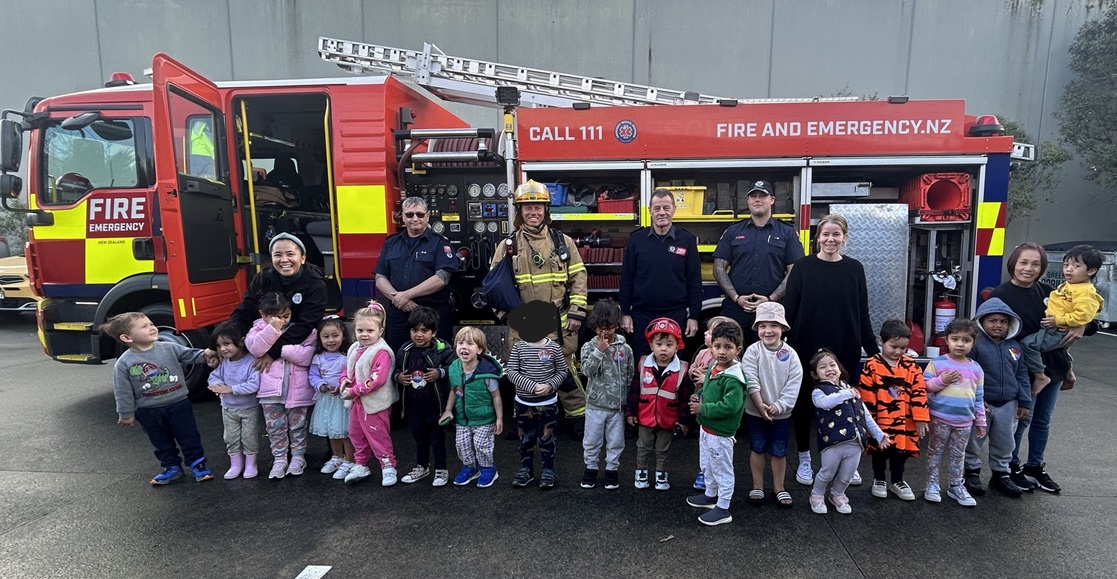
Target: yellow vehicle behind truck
15,287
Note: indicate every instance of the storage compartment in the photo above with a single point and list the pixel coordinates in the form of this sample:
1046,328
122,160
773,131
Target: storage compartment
939,196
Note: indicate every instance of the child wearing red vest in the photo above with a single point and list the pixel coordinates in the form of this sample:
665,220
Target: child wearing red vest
654,403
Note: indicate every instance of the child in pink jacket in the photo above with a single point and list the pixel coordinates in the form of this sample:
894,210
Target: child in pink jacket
368,370
285,392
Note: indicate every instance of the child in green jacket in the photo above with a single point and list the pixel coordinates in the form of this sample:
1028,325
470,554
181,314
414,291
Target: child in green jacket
475,404
719,406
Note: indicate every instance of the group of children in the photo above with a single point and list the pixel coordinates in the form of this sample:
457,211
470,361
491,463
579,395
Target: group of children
973,393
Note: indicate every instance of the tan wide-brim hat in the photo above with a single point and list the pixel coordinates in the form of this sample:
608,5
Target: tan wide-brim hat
771,312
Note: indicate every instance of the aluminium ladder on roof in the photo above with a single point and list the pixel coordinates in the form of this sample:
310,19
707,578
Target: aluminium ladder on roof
474,81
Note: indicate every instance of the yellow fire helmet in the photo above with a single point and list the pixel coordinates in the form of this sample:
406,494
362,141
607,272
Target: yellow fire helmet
532,191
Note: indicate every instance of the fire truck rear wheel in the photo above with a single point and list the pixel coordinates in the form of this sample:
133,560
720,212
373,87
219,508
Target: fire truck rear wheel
163,317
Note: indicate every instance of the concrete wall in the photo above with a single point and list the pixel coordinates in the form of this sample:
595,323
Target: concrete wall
1003,56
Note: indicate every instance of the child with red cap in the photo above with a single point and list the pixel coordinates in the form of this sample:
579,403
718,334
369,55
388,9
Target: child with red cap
654,401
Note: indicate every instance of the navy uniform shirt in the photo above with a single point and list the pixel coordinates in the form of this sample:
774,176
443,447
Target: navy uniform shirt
758,256
408,261
661,273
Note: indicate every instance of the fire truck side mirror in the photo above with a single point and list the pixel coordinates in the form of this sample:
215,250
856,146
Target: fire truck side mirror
10,186
11,145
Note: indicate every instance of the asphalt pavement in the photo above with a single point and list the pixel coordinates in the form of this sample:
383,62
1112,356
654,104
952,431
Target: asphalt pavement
75,502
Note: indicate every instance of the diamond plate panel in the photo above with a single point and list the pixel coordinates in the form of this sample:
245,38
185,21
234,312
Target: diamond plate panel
878,238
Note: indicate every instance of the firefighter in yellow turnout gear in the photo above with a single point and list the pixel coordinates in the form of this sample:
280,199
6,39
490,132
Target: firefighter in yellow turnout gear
544,271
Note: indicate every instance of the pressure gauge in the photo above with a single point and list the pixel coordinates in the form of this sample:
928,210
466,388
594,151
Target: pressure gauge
489,190
493,227
502,190
452,190
474,190
438,227
441,191
479,227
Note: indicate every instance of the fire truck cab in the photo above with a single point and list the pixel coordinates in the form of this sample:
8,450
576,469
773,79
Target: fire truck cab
162,197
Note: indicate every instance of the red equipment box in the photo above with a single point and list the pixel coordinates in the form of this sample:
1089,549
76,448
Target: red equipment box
939,196
616,205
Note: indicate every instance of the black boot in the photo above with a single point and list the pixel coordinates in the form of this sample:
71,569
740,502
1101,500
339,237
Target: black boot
1022,482
1002,483
973,482
589,478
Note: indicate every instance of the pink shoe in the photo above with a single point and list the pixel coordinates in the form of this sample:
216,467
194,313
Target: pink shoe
250,466
236,466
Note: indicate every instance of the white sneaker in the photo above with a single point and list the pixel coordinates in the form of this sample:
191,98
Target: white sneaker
278,469
441,477
841,504
818,504
960,494
661,483
331,465
418,473
642,478
856,480
297,466
880,489
388,477
342,470
932,493
902,490
804,475
357,473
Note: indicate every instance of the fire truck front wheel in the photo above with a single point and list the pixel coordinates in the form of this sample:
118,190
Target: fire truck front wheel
163,317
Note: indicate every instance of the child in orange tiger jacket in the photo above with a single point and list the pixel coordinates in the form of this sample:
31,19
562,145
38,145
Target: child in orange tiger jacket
893,389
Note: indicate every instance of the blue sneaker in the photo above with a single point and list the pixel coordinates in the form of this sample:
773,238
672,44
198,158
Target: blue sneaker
468,474
201,472
700,481
488,477
169,474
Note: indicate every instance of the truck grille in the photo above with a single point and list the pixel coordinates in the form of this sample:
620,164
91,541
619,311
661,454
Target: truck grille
10,279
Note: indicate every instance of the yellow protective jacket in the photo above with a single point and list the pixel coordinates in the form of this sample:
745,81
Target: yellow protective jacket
550,281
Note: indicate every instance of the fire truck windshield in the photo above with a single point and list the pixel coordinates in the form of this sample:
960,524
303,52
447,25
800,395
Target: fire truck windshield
75,162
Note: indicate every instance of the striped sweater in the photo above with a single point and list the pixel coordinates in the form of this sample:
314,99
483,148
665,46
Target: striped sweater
962,403
536,363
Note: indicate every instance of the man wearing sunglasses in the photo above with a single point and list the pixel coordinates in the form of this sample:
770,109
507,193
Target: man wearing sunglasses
414,270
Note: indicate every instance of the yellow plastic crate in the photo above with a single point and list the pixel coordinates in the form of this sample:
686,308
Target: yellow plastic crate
688,200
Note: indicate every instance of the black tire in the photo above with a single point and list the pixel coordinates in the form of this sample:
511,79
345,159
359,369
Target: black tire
163,317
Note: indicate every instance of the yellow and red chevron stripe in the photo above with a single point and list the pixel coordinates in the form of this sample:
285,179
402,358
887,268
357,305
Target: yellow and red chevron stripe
991,228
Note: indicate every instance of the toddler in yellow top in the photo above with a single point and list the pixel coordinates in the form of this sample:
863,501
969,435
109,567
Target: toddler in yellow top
1074,303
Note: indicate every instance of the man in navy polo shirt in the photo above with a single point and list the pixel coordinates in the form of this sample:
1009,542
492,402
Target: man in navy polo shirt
752,259
413,270
661,276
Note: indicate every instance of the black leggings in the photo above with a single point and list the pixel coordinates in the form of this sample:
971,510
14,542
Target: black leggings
428,436
803,415
897,458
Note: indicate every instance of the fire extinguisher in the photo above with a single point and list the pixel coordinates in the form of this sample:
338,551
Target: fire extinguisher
945,311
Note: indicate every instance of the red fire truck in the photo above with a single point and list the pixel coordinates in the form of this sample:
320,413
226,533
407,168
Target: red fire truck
159,197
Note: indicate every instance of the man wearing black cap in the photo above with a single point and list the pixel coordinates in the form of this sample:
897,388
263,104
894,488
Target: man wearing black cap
753,258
